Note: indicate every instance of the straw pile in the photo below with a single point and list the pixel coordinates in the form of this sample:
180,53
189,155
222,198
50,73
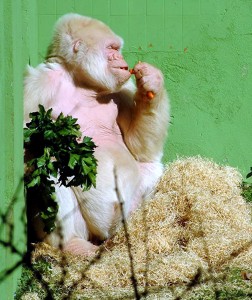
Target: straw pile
197,220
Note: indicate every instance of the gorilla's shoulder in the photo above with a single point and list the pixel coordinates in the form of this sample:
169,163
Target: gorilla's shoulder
46,74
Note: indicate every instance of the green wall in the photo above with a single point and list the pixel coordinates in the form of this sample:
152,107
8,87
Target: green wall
16,25
203,48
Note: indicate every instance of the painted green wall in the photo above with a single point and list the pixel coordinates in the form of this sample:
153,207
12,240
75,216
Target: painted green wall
203,48
15,45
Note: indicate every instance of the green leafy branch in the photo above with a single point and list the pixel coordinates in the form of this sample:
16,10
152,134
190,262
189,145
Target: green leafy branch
247,188
52,150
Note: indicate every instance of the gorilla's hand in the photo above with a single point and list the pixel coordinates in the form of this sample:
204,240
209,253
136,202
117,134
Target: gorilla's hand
148,79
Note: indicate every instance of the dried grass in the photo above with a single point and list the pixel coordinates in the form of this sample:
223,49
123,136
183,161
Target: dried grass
197,220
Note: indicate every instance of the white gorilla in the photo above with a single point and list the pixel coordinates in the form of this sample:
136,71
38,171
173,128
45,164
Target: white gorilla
86,76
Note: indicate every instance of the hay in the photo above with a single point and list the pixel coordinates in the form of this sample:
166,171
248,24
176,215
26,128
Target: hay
30,296
197,221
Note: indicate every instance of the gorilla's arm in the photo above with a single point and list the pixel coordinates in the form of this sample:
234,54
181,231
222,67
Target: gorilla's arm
143,121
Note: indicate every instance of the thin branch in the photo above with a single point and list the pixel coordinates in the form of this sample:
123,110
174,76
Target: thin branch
133,277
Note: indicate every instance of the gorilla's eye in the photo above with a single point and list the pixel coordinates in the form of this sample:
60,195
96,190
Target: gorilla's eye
113,47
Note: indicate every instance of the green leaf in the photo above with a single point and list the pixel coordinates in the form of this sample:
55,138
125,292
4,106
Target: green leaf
87,140
247,191
35,181
41,161
54,171
51,209
92,177
49,134
88,160
65,132
41,109
249,174
48,113
85,168
36,172
73,161
27,134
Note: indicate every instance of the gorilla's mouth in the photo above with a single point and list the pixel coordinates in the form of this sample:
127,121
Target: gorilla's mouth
123,68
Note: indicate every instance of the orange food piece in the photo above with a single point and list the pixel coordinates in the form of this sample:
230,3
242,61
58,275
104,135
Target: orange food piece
150,95
132,71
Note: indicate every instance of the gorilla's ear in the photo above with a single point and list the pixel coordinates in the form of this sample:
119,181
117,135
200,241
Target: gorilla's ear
76,45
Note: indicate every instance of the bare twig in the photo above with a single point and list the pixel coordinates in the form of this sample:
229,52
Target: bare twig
125,227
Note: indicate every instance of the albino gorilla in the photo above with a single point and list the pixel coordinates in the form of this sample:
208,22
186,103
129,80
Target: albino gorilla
86,76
